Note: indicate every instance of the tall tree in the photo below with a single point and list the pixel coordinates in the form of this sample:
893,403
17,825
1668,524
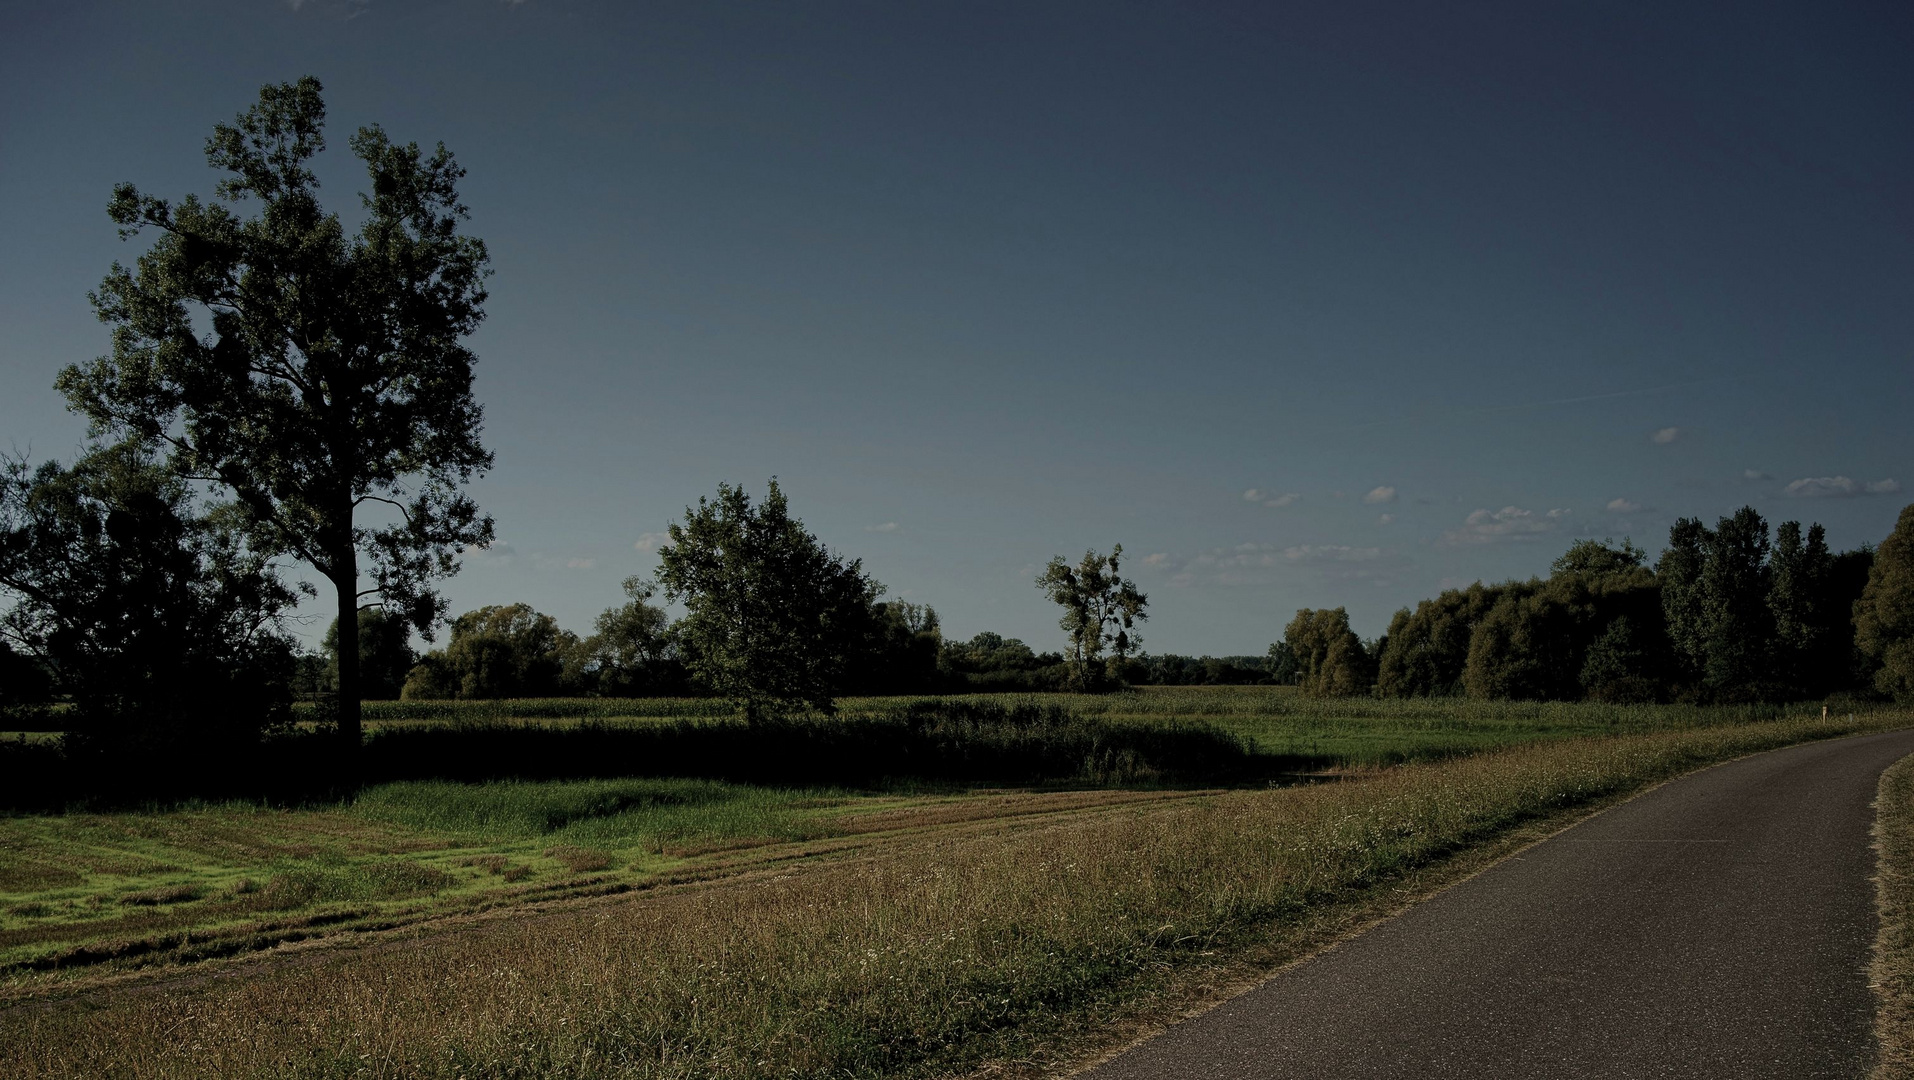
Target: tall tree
1330,658
314,375
1800,573
1100,611
773,617
1735,584
1884,615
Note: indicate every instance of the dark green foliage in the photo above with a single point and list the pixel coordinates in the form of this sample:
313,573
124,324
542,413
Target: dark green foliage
991,662
1169,669
902,654
308,373
633,653
154,621
945,740
1621,664
495,652
1597,558
26,688
386,656
1739,623
1748,619
1884,615
1428,649
1100,611
1539,640
1683,599
1284,670
1330,658
774,619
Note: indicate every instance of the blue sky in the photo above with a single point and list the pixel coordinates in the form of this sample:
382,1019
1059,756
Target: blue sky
1302,304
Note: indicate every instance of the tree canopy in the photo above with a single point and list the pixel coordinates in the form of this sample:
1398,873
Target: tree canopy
1100,611
773,618
1884,615
320,379
147,613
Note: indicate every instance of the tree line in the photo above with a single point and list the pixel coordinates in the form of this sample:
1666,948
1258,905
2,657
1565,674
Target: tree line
1735,612
282,391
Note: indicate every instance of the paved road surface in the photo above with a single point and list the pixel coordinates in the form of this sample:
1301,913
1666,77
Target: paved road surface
1718,926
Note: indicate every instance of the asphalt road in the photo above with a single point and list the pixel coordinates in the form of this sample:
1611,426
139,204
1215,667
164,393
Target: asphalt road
1717,926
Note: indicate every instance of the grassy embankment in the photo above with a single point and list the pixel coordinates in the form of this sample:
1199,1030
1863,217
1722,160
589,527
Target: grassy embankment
943,951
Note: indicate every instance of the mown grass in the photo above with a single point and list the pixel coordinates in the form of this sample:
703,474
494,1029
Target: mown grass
1893,969
937,957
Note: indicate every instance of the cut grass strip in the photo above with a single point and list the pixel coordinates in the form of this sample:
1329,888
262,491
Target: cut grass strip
1894,949
938,958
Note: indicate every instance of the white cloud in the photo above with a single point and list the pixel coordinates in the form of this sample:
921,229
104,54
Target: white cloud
1267,564
1665,436
1270,498
1623,506
496,551
1755,474
1511,523
1384,519
1377,496
580,564
1331,553
652,541
887,527
1161,558
1838,487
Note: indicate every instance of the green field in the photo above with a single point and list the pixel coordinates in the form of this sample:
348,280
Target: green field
86,891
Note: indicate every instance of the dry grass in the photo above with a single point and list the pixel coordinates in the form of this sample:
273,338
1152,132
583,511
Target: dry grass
1894,950
942,956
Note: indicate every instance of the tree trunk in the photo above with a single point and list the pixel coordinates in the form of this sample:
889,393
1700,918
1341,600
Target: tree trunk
349,687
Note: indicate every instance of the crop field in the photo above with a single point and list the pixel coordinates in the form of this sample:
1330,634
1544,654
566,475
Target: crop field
681,926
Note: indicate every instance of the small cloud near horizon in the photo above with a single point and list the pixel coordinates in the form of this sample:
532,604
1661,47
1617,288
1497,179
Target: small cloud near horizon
1838,487
1270,498
1385,519
1665,436
1380,495
1755,475
1623,506
887,527
1511,523
652,541
580,564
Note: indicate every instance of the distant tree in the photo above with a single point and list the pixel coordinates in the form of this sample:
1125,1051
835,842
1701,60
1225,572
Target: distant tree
1735,582
309,374
1282,665
1330,658
1100,611
500,651
1428,649
386,655
1884,615
1715,587
1799,592
1683,597
990,662
901,655
774,618
633,652
1619,664
1598,557
146,612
